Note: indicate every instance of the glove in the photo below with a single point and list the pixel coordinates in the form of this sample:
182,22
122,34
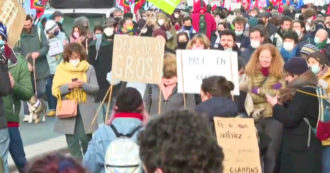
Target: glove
257,114
277,86
255,90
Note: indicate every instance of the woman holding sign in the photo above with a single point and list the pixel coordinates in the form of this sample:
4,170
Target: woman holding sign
164,97
265,76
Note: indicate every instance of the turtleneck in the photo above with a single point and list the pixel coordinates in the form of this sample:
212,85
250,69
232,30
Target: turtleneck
264,71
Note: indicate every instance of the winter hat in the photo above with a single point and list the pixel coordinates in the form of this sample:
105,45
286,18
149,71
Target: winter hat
56,14
110,22
308,49
296,66
159,32
50,26
3,31
318,56
129,100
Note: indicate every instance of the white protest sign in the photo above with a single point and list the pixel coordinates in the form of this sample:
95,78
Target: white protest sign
55,48
138,59
195,65
238,140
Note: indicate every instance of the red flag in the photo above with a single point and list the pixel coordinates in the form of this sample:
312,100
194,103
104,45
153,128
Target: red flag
280,8
328,11
256,4
138,5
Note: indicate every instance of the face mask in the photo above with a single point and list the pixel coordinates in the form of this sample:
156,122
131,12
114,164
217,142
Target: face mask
161,22
56,32
2,43
62,19
309,20
76,34
288,46
144,30
176,15
177,27
182,45
130,28
108,31
117,19
75,62
238,33
196,48
315,69
298,33
187,27
317,40
255,43
98,36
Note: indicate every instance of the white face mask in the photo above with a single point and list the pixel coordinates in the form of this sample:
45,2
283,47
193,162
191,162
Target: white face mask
75,62
176,15
298,33
308,28
288,46
238,33
108,31
161,22
255,43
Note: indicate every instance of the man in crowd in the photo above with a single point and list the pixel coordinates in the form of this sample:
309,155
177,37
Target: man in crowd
187,27
257,38
286,25
322,42
241,41
227,41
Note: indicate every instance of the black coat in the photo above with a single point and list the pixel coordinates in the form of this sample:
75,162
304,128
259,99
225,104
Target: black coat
296,156
4,90
246,54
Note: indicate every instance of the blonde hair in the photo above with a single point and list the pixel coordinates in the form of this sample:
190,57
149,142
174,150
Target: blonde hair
169,67
202,38
276,67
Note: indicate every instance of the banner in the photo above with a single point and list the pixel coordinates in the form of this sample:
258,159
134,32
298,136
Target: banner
13,16
65,4
238,139
138,59
195,65
167,6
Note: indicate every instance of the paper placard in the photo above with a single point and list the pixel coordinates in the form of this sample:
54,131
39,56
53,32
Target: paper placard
55,48
167,6
138,59
238,139
195,65
13,16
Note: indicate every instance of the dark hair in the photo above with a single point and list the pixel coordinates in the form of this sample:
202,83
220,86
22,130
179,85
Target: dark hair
29,17
98,28
76,48
228,32
239,20
180,141
124,20
285,18
129,100
187,18
56,164
82,30
182,33
291,35
224,25
259,29
302,23
217,86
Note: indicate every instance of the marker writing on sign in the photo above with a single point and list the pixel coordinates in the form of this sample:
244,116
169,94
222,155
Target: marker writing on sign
243,170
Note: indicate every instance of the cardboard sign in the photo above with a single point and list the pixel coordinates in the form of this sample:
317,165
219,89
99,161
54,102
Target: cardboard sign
195,65
55,48
238,139
138,59
167,6
13,16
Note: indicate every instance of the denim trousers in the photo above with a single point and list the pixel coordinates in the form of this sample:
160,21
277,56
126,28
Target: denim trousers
4,147
16,148
52,101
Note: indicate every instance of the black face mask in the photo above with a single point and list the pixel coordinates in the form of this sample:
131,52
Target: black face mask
187,27
182,45
117,19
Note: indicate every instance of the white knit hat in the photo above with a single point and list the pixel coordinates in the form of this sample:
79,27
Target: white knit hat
50,26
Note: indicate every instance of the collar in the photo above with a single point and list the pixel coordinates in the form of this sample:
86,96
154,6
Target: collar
129,115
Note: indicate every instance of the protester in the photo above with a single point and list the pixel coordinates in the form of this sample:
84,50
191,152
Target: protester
241,41
182,39
265,73
317,63
144,28
54,57
322,42
216,98
83,22
297,109
164,23
58,17
76,80
178,141
227,42
298,26
290,47
127,27
79,35
109,29
22,90
274,37
257,38
187,27
129,113
7,82
164,97
308,49
286,25
56,163
199,42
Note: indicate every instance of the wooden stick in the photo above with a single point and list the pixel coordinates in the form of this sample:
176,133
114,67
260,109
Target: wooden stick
184,95
108,107
99,109
160,102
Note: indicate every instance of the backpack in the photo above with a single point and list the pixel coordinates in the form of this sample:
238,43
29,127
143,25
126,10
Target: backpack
322,129
122,154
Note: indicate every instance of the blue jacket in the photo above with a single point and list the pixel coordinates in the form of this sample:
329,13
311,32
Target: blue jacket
97,147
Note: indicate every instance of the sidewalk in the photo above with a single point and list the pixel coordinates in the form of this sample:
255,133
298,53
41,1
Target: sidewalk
57,144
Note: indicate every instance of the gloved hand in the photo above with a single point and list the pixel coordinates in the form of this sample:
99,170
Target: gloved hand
277,86
257,114
255,90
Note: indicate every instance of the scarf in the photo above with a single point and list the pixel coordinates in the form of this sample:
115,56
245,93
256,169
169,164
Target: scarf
65,72
288,55
265,71
167,86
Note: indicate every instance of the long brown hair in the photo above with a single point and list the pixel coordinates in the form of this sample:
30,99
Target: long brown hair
202,38
276,67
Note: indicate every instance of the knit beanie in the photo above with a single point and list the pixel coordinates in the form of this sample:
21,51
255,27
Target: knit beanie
296,66
50,26
308,49
159,32
3,31
129,100
318,56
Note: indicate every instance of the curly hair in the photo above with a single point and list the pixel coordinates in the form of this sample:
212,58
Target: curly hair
76,48
276,67
202,38
56,164
180,141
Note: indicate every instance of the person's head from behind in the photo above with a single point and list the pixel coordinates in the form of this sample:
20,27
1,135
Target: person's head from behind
182,39
169,67
199,42
216,86
129,100
227,39
180,141
56,164
74,53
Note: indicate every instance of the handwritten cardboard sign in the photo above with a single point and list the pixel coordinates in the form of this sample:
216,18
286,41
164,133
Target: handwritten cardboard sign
138,59
195,65
238,139
13,16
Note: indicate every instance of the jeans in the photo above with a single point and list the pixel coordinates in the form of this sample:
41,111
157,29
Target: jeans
4,147
52,101
326,159
41,89
16,148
